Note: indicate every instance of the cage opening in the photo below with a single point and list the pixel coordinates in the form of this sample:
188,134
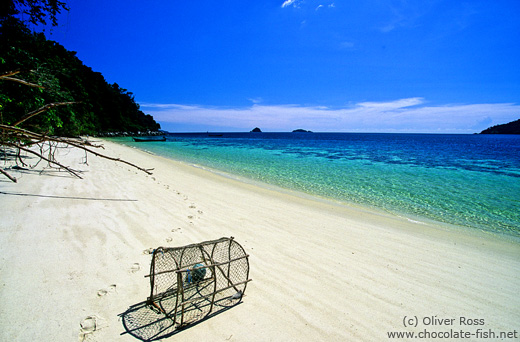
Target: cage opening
187,283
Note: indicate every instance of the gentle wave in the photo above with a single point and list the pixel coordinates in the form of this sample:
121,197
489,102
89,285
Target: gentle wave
468,180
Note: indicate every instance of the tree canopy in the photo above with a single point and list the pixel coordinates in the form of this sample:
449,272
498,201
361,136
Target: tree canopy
512,127
48,96
33,11
100,106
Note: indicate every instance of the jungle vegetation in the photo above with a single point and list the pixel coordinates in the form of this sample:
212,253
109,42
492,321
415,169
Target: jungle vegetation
62,77
49,98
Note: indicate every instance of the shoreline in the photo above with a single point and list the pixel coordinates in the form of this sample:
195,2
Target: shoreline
354,207
320,271
471,208
428,223
429,226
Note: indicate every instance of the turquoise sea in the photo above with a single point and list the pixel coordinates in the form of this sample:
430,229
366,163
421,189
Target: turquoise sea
465,180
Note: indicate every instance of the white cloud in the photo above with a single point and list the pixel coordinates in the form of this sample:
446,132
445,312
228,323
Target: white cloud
289,3
406,14
387,28
413,101
402,115
256,100
322,6
346,45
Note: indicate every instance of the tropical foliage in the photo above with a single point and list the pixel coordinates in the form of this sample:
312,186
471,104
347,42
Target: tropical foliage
512,127
48,96
99,106
34,11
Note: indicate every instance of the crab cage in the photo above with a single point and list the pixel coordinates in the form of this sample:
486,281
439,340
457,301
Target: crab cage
188,283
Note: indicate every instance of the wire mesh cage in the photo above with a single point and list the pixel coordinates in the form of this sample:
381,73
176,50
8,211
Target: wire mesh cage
188,283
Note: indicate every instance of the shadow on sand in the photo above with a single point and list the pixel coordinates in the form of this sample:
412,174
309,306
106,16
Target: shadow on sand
147,323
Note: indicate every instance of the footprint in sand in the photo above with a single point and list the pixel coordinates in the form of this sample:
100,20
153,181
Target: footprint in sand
169,239
200,211
192,206
109,290
148,251
175,229
87,326
135,267
190,217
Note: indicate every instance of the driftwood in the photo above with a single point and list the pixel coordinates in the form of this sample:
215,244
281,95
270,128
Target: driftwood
49,160
8,175
7,77
24,140
41,110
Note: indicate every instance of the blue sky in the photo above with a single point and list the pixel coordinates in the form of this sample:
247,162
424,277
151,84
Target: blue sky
325,65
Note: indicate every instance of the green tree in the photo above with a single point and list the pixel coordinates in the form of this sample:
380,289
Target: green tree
100,107
39,82
33,11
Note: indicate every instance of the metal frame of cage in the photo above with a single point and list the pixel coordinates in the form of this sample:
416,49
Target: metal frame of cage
187,283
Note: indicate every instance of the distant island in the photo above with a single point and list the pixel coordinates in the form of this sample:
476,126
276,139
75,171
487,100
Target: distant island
299,130
512,127
256,130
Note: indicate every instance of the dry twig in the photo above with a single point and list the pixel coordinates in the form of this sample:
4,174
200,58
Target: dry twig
21,139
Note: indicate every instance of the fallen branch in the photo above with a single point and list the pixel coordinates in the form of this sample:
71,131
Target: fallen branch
21,139
7,77
50,161
23,133
147,171
10,73
31,135
8,175
22,82
41,110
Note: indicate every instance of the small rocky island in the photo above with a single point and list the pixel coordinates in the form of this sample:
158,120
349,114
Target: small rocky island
256,130
299,130
512,127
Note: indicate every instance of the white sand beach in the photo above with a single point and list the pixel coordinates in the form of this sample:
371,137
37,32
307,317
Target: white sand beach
72,249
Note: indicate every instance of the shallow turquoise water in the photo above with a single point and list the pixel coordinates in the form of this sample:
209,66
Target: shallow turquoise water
468,180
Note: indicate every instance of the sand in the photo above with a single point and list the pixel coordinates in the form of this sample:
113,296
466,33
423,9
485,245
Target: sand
74,253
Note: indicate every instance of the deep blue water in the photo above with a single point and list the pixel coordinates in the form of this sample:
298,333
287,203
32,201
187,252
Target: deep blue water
467,180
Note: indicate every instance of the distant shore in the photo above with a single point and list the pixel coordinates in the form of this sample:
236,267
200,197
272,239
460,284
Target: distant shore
130,134
76,250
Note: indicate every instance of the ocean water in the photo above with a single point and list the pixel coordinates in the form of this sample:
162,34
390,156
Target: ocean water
465,180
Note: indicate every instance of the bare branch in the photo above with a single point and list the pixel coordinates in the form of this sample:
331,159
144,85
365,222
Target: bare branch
31,135
28,134
21,139
38,138
21,81
41,110
8,175
50,161
10,73
147,171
